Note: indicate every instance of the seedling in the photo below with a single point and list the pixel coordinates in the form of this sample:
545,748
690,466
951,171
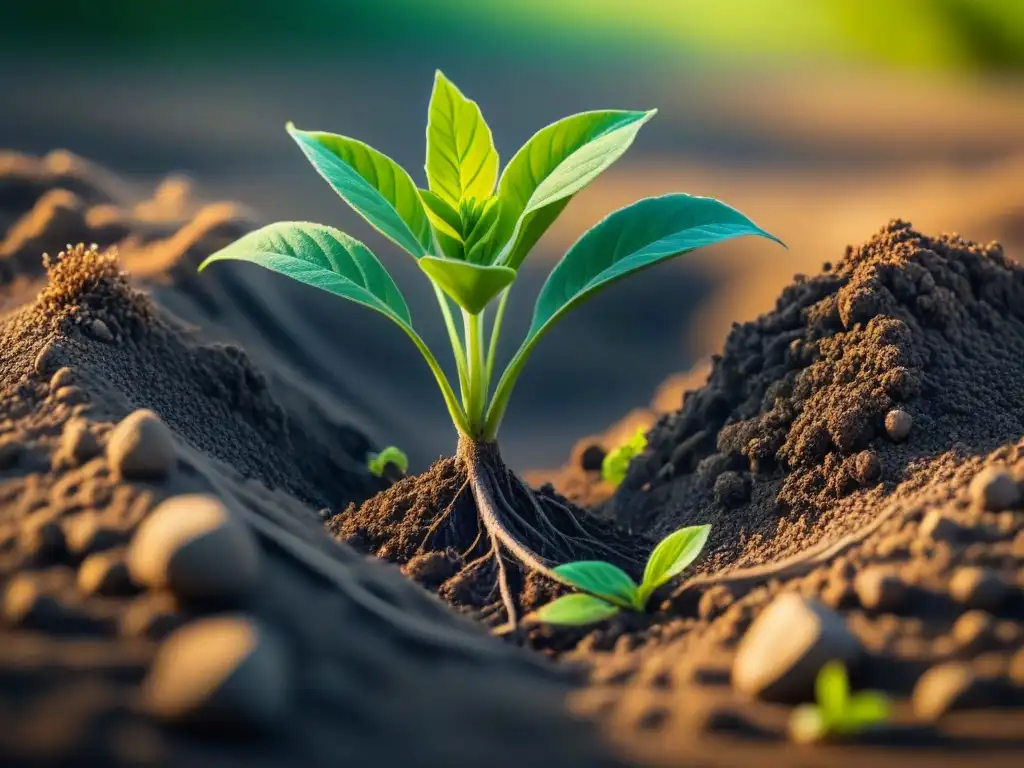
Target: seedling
470,230
377,462
837,712
608,589
616,462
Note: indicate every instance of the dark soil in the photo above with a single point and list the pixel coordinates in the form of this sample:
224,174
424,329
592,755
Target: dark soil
168,595
429,525
787,444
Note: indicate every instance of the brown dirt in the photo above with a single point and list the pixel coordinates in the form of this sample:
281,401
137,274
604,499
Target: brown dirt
307,652
142,624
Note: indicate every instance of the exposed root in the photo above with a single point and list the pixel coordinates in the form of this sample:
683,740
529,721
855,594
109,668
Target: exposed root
541,533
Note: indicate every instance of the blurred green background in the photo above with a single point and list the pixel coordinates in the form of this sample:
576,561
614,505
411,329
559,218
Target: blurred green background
930,34
821,119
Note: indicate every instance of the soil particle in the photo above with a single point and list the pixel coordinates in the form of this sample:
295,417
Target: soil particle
898,424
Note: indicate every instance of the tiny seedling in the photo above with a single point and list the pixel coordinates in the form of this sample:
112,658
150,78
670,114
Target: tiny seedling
616,462
837,712
470,230
390,455
607,588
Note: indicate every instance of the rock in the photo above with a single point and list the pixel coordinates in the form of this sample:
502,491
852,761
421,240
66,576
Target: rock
866,467
995,489
77,444
898,424
938,526
105,573
880,589
976,587
70,395
63,377
100,331
973,631
592,457
141,447
944,687
780,655
223,673
193,546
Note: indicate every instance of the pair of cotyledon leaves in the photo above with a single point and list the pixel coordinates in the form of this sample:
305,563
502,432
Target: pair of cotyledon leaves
837,710
606,589
470,231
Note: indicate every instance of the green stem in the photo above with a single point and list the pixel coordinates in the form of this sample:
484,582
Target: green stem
456,342
495,331
457,413
478,383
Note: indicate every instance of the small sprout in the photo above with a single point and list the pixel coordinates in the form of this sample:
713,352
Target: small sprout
377,462
616,462
837,713
608,588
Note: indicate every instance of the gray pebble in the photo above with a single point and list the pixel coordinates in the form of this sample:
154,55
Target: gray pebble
995,489
141,447
192,545
779,657
100,331
220,674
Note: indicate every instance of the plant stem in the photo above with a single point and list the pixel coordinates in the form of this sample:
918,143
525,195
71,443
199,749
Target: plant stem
478,383
456,342
495,331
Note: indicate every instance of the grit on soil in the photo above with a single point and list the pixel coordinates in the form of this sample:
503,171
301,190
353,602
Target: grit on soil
170,595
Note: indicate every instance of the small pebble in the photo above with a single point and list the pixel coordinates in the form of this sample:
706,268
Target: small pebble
100,331
973,630
86,534
141,447
898,424
995,489
978,588
940,527
192,545
944,687
779,656
70,395
880,589
62,378
866,467
220,674
78,444
105,573
731,489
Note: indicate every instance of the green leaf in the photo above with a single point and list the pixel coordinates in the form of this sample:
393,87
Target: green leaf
616,462
832,690
325,258
471,286
480,228
372,183
461,159
863,710
555,164
806,725
599,578
390,455
575,610
633,238
672,555
446,223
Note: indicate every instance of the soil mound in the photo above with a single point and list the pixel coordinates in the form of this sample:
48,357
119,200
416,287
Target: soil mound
910,349
168,595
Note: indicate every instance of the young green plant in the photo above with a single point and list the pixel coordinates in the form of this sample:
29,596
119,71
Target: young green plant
378,462
837,712
470,230
616,462
607,589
